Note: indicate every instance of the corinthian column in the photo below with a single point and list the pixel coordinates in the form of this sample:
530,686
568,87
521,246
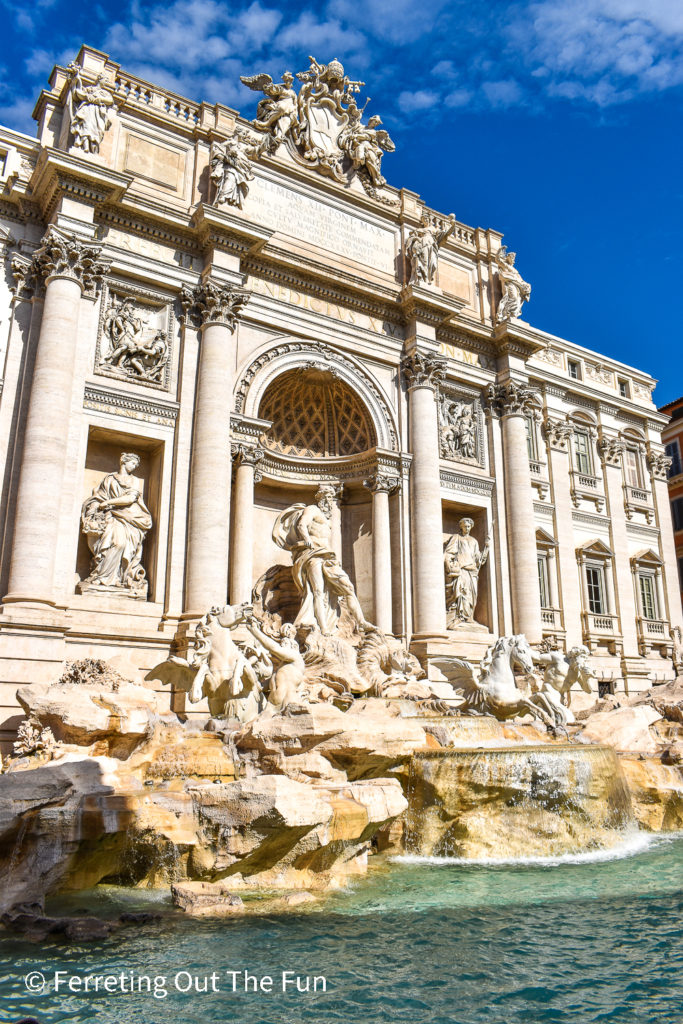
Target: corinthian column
423,373
69,268
215,308
511,401
242,563
381,487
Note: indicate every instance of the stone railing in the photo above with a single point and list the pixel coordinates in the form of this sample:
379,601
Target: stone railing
584,485
136,90
637,499
600,623
658,629
552,618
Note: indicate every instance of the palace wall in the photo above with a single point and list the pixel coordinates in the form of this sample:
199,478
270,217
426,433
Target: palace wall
412,398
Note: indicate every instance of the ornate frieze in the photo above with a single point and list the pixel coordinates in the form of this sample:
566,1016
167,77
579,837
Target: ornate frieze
557,434
120,403
466,483
659,464
515,291
611,450
210,303
550,355
422,247
381,482
423,370
599,373
510,399
321,125
134,340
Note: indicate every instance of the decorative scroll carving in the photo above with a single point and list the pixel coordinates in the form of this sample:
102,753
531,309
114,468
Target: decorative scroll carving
247,455
510,399
381,482
458,430
599,373
550,355
230,168
210,303
116,520
89,108
322,125
134,349
557,433
422,247
659,464
422,370
515,291
62,255
611,450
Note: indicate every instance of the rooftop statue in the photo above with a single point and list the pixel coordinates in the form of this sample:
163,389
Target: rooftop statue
89,109
422,247
116,520
321,125
305,531
515,291
230,169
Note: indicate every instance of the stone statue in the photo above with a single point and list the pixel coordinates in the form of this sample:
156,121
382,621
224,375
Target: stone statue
493,690
116,520
129,352
563,670
304,531
216,668
277,111
365,145
457,430
515,291
422,247
462,563
322,125
89,109
230,169
288,663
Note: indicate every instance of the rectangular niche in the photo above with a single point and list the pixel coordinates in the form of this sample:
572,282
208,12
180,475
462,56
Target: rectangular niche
102,458
135,336
452,514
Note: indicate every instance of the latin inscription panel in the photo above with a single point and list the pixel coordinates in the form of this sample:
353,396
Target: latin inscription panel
319,224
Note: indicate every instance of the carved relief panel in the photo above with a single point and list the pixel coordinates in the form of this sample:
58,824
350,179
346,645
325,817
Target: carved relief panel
461,433
134,337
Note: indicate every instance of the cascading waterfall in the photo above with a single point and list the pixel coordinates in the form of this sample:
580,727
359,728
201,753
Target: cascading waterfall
516,801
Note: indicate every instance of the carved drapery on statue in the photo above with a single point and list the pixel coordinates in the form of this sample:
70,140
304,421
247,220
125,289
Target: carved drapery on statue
463,561
132,347
115,521
422,247
322,125
230,168
89,108
457,430
515,291
305,531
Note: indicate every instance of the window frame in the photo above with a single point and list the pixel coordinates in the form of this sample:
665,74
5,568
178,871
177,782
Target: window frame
584,434
598,567
676,467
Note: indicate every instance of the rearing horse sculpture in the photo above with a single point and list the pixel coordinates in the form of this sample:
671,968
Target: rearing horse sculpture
493,690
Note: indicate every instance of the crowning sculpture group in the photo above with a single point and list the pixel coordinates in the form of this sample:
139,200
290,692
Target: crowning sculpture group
250,659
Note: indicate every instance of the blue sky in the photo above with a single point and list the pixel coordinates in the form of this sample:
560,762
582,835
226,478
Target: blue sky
557,122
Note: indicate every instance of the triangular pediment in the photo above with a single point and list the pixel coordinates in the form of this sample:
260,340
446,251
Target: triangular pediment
647,557
595,547
544,539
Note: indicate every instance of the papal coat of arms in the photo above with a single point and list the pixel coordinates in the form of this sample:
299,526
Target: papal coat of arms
322,125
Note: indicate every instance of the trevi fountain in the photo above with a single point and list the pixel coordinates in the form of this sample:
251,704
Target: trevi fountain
330,797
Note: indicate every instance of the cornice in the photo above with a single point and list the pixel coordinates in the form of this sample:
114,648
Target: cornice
514,337
57,174
428,305
454,481
123,403
227,230
148,227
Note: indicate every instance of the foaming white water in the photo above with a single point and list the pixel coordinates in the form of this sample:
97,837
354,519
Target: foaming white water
632,845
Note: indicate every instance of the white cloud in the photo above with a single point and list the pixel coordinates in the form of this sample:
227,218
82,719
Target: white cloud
503,93
422,99
394,21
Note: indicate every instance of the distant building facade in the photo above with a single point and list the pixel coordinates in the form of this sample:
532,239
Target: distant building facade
207,319
672,436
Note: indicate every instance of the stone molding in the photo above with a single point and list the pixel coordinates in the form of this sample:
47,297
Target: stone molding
511,399
557,434
211,303
423,370
468,484
381,482
120,403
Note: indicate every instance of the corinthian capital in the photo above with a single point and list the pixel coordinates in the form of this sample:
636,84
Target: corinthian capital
423,370
510,399
611,449
557,434
210,303
381,482
659,464
62,255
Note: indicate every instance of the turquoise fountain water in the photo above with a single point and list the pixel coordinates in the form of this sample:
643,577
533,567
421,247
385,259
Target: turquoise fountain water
586,939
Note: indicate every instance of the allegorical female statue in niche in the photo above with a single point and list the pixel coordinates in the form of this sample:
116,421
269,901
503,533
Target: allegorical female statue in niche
462,563
116,520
